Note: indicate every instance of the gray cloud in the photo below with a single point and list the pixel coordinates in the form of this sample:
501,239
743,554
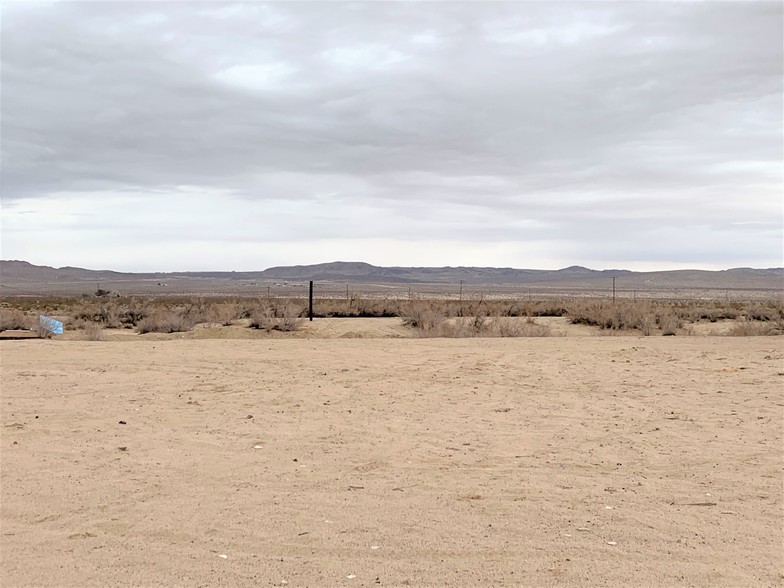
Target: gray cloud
618,132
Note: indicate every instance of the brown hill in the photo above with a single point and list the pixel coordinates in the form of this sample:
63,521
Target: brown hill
21,275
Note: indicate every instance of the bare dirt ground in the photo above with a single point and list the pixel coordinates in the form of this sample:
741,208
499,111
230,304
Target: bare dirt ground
586,461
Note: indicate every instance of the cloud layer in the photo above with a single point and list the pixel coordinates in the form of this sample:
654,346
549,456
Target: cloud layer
237,136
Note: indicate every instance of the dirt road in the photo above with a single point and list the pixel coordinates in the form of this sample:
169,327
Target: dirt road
393,462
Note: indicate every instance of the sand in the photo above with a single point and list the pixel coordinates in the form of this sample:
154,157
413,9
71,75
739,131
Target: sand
590,461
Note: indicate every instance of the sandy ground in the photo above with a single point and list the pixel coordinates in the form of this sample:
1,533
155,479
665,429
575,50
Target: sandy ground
397,462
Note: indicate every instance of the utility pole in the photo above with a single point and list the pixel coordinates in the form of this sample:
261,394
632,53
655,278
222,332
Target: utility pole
310,301
461,290
613,289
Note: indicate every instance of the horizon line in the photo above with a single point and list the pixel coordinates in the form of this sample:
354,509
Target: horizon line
305,265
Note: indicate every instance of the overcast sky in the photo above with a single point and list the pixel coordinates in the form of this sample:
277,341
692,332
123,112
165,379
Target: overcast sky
201,135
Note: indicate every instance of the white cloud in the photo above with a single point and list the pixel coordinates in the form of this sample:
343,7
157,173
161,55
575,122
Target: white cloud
427,38
373,56
152,19
567,35
258,77
524,134
259,12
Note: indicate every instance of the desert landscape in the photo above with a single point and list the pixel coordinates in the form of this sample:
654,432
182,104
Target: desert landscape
406,294
426,441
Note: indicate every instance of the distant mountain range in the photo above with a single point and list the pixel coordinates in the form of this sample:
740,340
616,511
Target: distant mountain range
21,274
359,271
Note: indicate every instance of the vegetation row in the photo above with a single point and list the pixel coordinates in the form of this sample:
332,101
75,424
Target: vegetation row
440,318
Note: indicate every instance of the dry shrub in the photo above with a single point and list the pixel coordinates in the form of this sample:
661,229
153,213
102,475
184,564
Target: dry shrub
111,314
134,311
273,317
614,316
357,306
42,330
514,328
669,323
375,308
430,320
506,327
623,316
12,320
224,313
746,328
195,311
161,321
425,317
544,308
647,325
360,306
104,312
480,326
458,328
93,332
758,312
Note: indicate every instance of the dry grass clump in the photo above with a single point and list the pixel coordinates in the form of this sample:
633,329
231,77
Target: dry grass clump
359,306
614,316
480,326
161,321
42,329
538,308
429,319
527,328
693,312
224,313
754,328
510,327
196,311
12,320
643,316
154,315
94,332
111,314
668,322
425,317
368,307
285,317
459,327
758,312
647,325
105,313
356,306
